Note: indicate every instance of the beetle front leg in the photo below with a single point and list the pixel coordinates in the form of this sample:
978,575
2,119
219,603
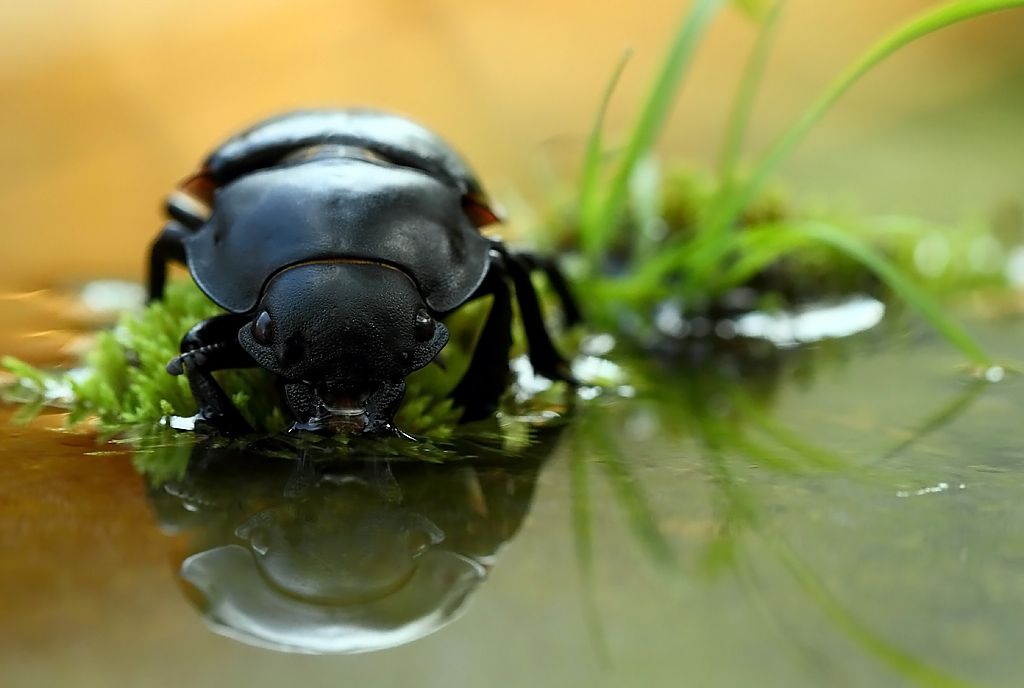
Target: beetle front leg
168,246
213,345
487,376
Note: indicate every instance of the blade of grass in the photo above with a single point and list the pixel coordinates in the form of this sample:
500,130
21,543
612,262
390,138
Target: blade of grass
743,103
752,250
656,110
645,202
902,286
921,25
755,249
794,234
751,8
589,199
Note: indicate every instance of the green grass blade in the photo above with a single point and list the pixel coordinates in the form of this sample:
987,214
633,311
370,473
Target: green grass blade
752,8
764,245
743,103
657,108
922,25
899,283
755,249
589,199
645,203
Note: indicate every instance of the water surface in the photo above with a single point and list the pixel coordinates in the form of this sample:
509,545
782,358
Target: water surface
842,515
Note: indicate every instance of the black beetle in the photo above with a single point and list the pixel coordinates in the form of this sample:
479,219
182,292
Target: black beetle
337,241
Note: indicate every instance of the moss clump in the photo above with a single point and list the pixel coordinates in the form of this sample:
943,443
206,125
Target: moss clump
124,382
776,259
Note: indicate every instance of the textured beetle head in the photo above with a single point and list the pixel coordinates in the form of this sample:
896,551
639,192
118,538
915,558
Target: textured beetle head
343,335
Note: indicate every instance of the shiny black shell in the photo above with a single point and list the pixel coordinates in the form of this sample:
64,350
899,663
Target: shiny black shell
268,215
392,136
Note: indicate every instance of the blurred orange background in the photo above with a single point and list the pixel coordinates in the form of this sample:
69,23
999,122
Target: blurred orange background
106,104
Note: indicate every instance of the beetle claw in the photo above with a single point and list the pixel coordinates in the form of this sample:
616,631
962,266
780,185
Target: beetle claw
189,359
398,432
227,424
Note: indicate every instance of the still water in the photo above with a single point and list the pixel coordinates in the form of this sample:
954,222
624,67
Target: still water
840,514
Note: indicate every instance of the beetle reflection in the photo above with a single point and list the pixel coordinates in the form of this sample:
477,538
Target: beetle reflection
339,557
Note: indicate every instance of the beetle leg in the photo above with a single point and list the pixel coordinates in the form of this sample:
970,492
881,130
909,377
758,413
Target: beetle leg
189,209
543,355
557,281
487,376
301,400
169,245
213,345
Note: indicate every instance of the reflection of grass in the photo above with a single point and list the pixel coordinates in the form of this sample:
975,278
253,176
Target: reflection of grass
942,417
902,663
640,250
592,436
728,417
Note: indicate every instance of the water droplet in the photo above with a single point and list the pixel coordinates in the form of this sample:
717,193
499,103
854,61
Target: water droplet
995,374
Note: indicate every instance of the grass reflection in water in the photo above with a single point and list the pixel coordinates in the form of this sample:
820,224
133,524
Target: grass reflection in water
710,403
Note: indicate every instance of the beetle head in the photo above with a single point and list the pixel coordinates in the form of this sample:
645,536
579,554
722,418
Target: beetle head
343,335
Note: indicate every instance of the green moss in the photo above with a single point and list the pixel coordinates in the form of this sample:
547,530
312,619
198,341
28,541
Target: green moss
776,251
123,382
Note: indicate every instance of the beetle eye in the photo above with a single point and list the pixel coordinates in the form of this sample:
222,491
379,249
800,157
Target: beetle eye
262,329
423,329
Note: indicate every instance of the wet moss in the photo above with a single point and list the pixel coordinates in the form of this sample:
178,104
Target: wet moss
777,258
123,381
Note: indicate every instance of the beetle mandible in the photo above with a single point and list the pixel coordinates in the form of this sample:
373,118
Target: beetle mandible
337,241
